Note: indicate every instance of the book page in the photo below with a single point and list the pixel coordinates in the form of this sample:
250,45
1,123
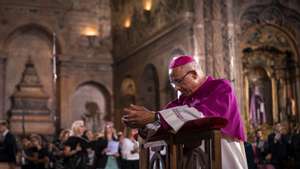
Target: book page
177,116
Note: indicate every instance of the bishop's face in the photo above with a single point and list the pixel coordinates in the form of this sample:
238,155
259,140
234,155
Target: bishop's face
183,81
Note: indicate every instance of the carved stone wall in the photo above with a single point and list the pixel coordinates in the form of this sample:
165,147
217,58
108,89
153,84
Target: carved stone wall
74,74
143,24
83,47
216,36
271,28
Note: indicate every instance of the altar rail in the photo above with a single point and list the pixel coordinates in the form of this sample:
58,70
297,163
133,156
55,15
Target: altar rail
205,134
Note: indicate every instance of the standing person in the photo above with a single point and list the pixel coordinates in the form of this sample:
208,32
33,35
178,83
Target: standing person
8,146
38,156
209,96
24,152
59,149
89,136
112,149
260,148
130,150
296,146
121,137
100,154
75,153
277,147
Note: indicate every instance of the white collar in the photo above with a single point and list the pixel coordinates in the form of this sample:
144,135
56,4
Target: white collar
5,132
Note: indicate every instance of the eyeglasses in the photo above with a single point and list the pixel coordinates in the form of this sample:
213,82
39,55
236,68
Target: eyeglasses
178,81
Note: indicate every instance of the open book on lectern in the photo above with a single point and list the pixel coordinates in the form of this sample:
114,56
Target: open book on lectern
177,116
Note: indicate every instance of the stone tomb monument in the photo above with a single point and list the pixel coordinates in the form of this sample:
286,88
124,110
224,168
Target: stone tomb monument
29,112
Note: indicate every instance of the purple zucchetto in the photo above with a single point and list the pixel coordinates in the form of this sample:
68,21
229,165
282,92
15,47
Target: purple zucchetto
180,60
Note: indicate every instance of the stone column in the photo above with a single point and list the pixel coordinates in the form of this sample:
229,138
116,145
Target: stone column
245,109
274,99
199,34
2,87
208,36
219,32
64,87
247,97
297,94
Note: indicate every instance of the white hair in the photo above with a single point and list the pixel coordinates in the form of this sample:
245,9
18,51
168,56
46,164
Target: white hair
75,125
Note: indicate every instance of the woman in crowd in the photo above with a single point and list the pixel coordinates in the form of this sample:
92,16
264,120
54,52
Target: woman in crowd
89,136
112,149
75,152
59,149
99,147
130,149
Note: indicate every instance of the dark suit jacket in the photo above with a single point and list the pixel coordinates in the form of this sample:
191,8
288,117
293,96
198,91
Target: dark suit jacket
278,150
8,149
98,147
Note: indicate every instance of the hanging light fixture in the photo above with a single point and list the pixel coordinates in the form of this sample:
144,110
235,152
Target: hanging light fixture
91,33
127,22
147,5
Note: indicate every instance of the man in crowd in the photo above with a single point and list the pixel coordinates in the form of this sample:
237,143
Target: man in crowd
8,147
209,97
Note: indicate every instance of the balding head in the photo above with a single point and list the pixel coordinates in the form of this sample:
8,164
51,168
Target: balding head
185,74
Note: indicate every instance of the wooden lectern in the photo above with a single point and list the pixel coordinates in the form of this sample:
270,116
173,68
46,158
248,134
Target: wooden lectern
204,132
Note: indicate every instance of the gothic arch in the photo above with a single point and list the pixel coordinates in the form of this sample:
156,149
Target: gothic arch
275,15
149,88
34,27
104,90
93,95
269,37
272,13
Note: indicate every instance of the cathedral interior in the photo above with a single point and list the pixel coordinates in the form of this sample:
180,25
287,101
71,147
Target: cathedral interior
64,60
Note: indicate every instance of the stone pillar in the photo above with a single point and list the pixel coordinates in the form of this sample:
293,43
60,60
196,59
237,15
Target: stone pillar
247,98
297,94
219,24
208,36
64,86
246,109
274,99
2,87
199,34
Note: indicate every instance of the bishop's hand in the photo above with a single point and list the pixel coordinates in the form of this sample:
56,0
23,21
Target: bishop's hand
137,116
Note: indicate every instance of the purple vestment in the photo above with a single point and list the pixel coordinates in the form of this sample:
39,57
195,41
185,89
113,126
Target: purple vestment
215,97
